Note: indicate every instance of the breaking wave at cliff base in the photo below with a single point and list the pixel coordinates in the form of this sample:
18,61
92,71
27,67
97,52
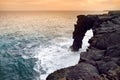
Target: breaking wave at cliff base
36,44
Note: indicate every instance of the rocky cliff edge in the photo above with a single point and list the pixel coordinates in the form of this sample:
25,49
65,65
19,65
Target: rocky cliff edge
101,61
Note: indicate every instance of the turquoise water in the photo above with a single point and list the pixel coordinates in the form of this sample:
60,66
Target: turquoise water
40,41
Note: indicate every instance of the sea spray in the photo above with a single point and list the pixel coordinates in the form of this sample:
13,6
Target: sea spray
38,42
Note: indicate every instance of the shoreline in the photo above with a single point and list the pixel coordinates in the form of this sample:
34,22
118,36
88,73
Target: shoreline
101,60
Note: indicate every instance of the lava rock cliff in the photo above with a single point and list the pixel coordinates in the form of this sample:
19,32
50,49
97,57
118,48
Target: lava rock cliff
101,61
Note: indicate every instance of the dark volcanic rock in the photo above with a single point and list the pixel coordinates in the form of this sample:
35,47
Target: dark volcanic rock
101,61
83,71
113,51
84,23
114,12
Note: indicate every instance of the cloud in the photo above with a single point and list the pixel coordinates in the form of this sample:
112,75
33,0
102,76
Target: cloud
60,4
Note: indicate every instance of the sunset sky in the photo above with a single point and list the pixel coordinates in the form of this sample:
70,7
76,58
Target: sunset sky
59,4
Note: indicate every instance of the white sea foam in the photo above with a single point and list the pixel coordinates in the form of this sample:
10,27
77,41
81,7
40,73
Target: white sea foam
46,36
57,55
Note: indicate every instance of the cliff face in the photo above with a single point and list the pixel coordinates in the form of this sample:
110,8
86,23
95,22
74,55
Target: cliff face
101,61
84,23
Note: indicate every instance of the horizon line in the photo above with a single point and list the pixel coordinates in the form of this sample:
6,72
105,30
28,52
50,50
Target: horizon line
58,10
52,10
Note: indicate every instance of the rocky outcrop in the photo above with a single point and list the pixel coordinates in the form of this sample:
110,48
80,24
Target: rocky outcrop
101,61
84,23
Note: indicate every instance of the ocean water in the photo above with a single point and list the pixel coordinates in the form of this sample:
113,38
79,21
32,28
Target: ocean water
45,36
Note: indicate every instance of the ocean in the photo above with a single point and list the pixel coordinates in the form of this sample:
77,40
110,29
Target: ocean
43,35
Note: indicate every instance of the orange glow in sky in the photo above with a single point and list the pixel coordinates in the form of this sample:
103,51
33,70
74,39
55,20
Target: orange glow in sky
59,4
